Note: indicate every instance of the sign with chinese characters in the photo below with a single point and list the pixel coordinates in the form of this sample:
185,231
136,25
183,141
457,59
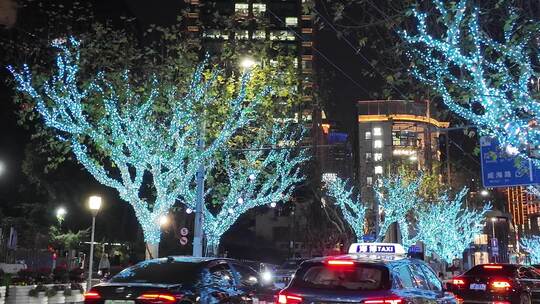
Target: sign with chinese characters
501,169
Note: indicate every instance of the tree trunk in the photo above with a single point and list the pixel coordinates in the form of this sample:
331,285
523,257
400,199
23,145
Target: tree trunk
151,251
212,247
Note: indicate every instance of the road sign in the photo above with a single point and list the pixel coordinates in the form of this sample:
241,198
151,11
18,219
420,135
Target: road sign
183,241
500,169
184,231
415,249
368,238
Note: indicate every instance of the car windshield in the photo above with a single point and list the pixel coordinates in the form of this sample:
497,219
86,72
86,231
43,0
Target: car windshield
159,272
491,270
358,277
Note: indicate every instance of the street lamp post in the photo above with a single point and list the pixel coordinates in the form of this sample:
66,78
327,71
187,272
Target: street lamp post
94,203
493,220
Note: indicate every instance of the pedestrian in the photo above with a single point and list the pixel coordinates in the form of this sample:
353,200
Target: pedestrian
104,264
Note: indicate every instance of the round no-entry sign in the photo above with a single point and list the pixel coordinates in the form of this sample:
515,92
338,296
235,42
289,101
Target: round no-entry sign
183,240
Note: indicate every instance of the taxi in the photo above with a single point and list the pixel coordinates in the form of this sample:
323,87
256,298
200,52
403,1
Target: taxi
371,273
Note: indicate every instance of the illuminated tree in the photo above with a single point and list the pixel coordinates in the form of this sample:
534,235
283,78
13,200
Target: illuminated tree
532,246
446,228
397,196
352,208
265,175
129,146
481,78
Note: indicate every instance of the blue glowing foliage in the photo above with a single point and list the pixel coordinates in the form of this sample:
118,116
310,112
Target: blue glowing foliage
532,246
133,140
266,175
446,228
397,197
482,79
352,208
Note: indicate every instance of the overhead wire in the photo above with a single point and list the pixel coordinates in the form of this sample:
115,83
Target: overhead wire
321,54
358,52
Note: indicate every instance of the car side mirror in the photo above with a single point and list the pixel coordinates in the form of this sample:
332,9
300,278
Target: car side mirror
251,281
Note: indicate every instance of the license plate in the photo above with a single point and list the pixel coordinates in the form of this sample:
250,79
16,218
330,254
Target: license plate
119,302
477,287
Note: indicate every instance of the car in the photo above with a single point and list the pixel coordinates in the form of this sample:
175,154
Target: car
183,280
498,283
372,273
283,275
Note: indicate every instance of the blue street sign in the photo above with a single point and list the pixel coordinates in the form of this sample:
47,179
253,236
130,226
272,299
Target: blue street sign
368,238
499,169
415,249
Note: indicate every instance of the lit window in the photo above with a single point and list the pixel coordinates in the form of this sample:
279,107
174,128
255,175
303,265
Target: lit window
241,35
377,157
368,135
377,131
259,34
369,180
378,170
215,34
378,144
241,9
291,21
368,156
259,8
282,35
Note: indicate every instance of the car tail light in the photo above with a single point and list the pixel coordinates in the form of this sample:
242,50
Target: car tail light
384,301
500,284
91,296
340,262
458,282
157,298
284,298
493,267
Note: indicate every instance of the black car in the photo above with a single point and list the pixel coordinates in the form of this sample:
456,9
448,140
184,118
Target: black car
498,283
183,280
368,279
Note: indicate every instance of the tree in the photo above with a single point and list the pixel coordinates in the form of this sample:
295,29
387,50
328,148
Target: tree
128,145
446,228
397,197
483,78
352,208
265,175
532,246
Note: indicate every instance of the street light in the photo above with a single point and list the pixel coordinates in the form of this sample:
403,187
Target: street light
61,214
484,193
247,63
94,204
2,167
163,220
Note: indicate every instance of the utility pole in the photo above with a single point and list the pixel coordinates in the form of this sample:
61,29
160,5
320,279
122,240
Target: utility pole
199,216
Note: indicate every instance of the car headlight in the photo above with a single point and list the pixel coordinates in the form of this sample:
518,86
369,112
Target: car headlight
267,276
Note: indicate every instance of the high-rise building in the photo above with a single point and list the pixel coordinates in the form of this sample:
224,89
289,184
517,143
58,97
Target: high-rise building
393,132
270,27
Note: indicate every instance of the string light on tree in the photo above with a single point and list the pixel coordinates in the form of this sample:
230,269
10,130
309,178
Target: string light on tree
353,210
532,246
137,145
397,196
446,228
483,79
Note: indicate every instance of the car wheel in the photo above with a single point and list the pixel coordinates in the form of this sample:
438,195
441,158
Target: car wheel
525,299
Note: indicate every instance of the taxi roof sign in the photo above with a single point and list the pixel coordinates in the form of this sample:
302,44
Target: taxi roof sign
377,248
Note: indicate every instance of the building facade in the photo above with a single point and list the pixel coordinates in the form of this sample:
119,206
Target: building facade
393,132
